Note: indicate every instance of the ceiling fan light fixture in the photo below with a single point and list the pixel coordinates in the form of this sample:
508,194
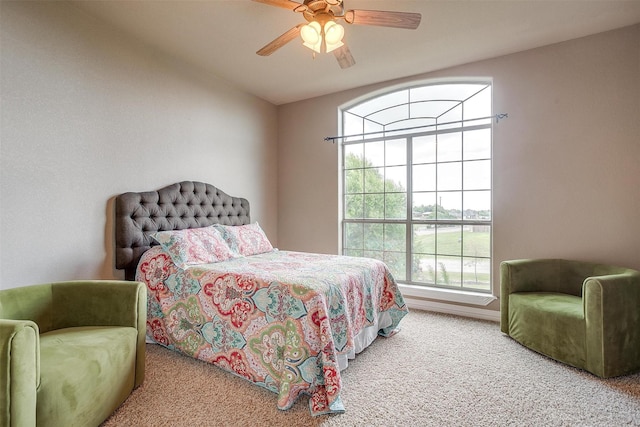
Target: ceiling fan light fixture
333,34
323,34
312,36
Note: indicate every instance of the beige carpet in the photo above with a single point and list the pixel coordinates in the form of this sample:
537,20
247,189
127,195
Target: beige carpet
439,370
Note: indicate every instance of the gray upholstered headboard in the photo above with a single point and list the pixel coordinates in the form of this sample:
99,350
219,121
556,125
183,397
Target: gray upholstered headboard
187,204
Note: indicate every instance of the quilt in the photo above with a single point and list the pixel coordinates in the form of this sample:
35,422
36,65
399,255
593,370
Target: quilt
280,319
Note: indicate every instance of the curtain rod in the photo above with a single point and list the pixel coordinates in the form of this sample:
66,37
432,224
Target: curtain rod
497,117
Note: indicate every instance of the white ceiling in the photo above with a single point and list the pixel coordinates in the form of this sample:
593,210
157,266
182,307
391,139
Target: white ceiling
220,37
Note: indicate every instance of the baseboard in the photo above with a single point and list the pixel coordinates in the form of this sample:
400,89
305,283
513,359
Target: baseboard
458,310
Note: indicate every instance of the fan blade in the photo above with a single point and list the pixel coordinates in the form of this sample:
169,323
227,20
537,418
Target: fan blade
344,57
276,44
383,18
287,4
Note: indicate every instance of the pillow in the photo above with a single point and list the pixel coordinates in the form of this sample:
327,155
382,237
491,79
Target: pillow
193,246
246,240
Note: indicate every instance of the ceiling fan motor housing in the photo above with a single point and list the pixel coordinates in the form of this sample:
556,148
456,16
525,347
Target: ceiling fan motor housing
322,10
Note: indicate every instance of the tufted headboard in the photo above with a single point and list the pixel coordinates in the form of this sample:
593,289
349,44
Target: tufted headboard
187,204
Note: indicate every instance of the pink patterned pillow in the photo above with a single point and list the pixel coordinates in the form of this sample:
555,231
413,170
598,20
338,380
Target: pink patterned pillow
193,246
245,240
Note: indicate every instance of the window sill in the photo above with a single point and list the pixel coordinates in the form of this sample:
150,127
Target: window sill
448,295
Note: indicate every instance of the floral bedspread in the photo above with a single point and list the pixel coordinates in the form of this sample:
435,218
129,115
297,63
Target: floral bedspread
278,319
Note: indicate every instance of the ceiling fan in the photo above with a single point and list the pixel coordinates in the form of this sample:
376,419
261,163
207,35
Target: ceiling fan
324,34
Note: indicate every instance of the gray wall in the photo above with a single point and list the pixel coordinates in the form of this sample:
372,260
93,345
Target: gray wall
88,113
566,173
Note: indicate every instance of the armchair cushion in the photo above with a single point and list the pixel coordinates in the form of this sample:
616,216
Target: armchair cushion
580,313
549,323
86,372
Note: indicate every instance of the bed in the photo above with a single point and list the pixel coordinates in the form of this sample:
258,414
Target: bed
287,321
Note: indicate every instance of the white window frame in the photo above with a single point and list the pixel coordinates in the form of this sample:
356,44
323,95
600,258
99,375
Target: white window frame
463,296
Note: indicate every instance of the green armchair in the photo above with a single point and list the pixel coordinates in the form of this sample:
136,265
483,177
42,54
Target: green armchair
70,352
583,314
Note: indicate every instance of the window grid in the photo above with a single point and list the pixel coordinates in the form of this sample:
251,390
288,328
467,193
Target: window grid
374,239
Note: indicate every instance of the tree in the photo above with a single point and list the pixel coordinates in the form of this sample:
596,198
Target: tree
369,195
362,176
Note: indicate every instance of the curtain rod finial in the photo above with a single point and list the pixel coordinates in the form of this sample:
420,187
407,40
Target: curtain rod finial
501,116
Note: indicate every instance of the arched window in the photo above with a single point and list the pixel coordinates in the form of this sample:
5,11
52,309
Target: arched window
416,183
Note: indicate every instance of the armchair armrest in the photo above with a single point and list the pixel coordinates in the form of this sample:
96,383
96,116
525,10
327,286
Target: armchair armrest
19,372
612,315
103,303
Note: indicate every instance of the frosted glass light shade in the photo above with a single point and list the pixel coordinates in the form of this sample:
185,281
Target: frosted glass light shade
333,34
312,36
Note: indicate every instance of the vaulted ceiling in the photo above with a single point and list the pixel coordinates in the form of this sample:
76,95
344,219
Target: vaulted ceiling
220,37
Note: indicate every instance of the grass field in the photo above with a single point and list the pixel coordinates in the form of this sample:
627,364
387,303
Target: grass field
453,256
454,242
